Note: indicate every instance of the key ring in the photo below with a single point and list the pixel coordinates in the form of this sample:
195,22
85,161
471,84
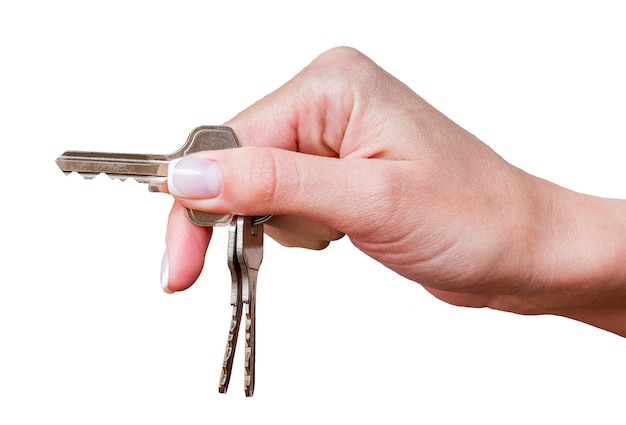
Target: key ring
260,219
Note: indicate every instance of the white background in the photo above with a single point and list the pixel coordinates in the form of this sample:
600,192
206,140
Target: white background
87,336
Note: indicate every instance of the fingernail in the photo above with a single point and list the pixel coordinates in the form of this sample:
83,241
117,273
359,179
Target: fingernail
194,178
165,271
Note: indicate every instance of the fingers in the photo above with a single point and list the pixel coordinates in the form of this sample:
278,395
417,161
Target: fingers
258,181
187,243
289,239
186,247
300,232
309,113
321,110
290,167
340,106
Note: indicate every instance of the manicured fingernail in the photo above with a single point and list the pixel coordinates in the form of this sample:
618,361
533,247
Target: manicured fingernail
165,272
194,178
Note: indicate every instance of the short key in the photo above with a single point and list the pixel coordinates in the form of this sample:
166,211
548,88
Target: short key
152,169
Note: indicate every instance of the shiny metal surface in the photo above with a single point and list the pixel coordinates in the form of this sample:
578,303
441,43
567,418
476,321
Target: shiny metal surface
152,169
245,254
245,243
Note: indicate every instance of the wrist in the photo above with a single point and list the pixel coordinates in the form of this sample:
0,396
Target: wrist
580,258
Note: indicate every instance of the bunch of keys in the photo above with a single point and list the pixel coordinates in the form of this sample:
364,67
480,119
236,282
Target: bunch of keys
245,238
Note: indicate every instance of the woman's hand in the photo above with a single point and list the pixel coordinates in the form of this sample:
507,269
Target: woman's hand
345,148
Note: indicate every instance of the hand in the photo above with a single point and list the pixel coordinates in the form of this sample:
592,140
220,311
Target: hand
345,148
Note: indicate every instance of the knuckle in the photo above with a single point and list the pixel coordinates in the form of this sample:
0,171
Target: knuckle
344,64
346,56
265,177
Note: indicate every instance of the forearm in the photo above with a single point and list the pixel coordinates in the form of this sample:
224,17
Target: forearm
581,258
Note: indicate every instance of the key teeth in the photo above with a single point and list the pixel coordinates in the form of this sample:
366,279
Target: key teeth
86,176
91,176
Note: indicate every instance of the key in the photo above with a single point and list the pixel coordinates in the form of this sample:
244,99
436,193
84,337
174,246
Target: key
245,243
152,169
245,254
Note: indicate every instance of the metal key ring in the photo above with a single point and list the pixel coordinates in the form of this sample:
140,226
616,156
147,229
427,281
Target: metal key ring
261,219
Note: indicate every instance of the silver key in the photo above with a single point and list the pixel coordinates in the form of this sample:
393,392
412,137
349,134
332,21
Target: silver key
152,169
245,243
245,253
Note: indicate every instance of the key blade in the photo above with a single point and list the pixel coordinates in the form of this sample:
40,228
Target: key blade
150,169
249,255
235,301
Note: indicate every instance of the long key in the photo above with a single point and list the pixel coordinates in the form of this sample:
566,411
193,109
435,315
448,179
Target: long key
245,254
152,169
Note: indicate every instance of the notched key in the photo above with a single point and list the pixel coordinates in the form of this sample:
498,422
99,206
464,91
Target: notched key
152,169
250,256
245,243
245,254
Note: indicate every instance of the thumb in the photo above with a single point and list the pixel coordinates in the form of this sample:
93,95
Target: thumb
341,193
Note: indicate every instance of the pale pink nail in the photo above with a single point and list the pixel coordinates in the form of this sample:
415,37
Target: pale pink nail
194,178
165,272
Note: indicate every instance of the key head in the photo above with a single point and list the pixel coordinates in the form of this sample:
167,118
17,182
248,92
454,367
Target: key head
206,138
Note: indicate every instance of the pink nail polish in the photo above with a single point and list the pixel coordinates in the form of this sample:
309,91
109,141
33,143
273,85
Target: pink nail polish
165,269
194,178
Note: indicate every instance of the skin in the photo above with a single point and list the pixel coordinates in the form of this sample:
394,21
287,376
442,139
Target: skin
344,143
